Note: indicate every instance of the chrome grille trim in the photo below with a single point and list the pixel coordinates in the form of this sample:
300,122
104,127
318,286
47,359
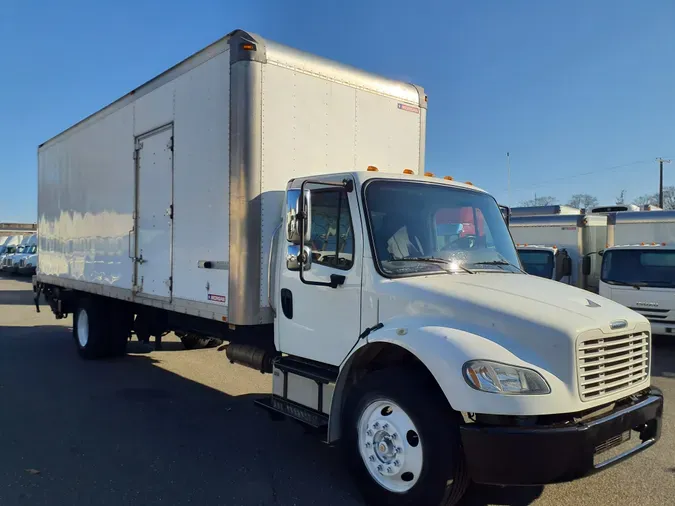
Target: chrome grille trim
607,365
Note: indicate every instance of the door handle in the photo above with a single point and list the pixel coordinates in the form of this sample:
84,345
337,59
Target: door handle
287,303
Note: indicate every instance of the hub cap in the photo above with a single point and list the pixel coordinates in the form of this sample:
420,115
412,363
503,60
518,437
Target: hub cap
82,327
390,445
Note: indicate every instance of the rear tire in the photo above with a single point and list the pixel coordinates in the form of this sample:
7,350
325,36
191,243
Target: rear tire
100,328
401,441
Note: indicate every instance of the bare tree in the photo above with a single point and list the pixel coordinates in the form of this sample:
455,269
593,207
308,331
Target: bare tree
621,199
540,201
583,200
648,199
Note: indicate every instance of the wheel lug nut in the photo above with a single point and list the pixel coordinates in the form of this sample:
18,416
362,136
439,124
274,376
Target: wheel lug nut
385,426
372,458
389,469
376,425
369,432
399,450
367,445
394,436
379,468
397,463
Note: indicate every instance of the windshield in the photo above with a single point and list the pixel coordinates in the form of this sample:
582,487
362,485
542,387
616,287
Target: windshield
31,249
421,228
639,266
537,263
20,249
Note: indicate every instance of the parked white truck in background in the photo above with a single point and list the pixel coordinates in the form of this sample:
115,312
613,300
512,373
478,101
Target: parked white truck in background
9,248
573,236
220,199
638,267
13,261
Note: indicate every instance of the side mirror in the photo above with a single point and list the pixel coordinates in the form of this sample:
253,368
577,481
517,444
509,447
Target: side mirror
567,267
293,261
293,223
586,265
506,214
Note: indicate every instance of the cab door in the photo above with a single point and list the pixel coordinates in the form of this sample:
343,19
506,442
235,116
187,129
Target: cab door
313,321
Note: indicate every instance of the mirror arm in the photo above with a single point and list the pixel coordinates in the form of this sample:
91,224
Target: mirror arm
335,279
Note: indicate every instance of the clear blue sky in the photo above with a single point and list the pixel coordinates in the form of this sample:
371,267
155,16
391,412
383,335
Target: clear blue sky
567,87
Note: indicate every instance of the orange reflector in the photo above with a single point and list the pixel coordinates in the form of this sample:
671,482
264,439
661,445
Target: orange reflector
224,318
642,244
372,168
248,47
663,244
468,182
429,174
653,244
448,178
525,244
408,171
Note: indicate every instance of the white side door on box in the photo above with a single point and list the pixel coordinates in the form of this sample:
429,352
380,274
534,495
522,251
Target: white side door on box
154,212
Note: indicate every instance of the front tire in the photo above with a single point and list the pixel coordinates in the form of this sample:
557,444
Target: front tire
401,441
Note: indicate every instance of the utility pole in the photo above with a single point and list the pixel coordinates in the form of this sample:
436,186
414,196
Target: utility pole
508,177
661,162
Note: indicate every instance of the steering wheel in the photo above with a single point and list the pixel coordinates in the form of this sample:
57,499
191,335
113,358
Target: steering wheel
466,242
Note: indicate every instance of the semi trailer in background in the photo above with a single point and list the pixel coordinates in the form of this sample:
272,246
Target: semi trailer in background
279,200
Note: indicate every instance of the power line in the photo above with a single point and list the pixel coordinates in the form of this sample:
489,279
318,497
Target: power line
580,174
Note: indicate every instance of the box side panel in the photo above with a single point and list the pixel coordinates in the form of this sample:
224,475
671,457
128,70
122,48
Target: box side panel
201,183
86,201
387,134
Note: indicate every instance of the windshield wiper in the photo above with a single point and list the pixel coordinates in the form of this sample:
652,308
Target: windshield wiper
635,284
498,262
434,260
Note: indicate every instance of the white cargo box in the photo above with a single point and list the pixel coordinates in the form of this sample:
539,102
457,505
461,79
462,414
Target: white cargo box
170,196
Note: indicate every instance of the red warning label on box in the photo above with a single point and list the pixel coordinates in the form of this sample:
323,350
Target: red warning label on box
409,108
217,298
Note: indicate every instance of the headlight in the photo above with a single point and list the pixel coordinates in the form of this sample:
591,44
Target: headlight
498,378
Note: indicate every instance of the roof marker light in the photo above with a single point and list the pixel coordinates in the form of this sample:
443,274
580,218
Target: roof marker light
429,174
448,178
408,171
372,168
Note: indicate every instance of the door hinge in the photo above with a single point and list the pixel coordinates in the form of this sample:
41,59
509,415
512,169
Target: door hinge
169,212
169,283
170,144
138,145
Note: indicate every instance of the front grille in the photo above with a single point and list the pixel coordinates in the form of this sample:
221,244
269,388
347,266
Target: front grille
610,364
22,262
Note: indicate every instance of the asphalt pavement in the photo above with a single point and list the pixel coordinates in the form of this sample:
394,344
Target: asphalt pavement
179,427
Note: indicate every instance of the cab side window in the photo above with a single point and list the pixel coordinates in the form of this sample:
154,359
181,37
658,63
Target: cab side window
332,238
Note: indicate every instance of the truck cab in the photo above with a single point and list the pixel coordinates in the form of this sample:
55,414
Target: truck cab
547,262
642,277
412,308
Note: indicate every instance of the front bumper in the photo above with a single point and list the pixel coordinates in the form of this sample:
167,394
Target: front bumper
538,455
26,270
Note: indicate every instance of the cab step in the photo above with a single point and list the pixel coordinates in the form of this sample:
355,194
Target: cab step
278,406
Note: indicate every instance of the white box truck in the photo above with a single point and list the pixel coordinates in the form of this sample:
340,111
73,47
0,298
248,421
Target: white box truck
229,197
554,246
638,267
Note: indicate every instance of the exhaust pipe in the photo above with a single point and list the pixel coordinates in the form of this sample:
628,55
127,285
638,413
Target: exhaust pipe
251,356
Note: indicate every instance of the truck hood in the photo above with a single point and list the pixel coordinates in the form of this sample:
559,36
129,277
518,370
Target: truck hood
534,318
